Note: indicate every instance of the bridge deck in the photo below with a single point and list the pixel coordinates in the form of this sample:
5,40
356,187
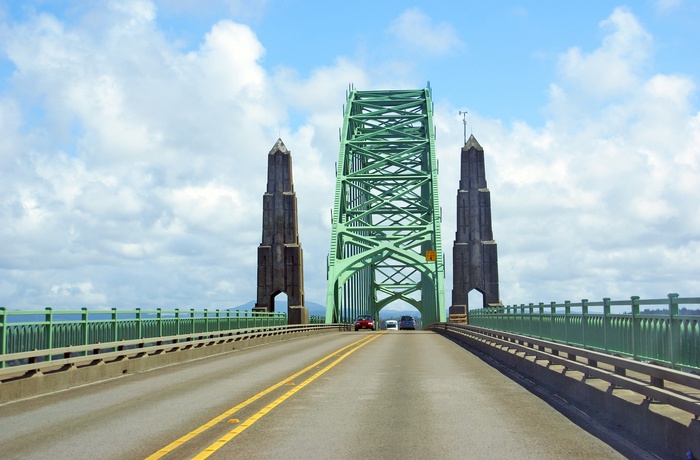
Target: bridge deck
388,395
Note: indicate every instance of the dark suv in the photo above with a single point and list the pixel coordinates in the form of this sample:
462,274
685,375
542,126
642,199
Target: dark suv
407,322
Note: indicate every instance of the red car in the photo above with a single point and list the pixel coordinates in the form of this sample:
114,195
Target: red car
364,322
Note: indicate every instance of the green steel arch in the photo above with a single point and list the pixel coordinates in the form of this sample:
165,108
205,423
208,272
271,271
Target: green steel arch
385,244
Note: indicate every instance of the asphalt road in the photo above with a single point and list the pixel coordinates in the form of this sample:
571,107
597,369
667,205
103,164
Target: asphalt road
396,394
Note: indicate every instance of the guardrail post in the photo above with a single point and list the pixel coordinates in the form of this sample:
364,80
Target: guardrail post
540,310
552,319
584,321
177,321
530,309
159,320
86,330
115,326
48,329
606,323
636,327
567,320
674,329
139,323
206,320
510,317
522,319
3,335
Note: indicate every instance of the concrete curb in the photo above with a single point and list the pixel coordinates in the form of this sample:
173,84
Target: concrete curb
39,383
661,429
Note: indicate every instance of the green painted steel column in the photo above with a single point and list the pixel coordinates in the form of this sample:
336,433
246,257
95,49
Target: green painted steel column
159,319
567,320
606,323
636,328
674,330
540,318
522,319
3,334
85,328
115,325
553,317
48,329
139,324
584,321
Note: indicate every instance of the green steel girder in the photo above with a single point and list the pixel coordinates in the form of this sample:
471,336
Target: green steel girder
386,211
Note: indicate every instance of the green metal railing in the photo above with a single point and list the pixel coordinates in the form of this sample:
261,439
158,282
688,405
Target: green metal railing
669,338
316,319
22,331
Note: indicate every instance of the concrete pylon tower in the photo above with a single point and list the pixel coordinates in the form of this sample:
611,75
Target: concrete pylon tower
475,259
280,258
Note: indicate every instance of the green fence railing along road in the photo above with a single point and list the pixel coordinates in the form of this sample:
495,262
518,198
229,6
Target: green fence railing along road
668,337
22,331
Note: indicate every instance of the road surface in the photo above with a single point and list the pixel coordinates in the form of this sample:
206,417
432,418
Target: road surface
388,394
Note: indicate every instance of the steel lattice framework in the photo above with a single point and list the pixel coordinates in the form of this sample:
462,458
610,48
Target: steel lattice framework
385,244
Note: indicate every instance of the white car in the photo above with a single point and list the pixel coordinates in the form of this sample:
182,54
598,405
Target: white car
391,325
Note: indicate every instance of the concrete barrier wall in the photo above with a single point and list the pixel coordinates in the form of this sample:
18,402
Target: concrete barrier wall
661,429
39,383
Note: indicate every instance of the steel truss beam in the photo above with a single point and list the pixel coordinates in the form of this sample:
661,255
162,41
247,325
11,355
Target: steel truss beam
386,214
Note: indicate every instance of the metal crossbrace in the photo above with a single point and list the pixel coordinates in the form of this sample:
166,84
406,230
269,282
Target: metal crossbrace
386,211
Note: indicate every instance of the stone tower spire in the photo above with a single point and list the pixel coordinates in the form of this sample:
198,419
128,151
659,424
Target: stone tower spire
280,258
475,259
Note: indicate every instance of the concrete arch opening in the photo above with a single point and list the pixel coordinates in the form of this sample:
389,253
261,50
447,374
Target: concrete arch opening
281,301
475,299
396,310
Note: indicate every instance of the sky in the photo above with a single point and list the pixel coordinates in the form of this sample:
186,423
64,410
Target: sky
135,136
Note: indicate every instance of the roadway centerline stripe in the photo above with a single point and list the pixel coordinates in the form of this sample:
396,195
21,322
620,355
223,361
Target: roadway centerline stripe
178,442
254,418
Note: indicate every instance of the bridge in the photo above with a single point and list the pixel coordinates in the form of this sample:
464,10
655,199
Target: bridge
385,244
336,395
600,379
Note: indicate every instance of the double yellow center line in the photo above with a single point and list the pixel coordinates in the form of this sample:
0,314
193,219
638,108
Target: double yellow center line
346,351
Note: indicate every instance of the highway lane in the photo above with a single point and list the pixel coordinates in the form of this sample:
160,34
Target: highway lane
350,395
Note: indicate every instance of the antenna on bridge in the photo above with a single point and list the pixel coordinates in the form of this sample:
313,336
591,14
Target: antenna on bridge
464,121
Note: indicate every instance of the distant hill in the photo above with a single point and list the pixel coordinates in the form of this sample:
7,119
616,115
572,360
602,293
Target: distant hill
315,309
397,314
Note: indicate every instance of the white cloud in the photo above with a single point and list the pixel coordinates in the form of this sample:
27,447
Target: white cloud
601,200
613,70
82,293
139,12
164,163
236,8
666,5
417,31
